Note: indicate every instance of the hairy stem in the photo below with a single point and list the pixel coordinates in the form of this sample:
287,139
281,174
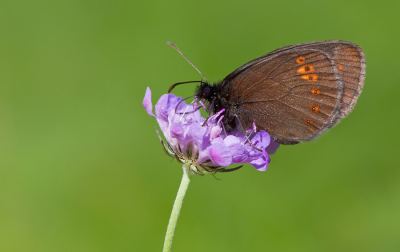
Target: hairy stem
177,208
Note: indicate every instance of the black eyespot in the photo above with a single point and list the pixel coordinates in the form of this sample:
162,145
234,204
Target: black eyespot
310,78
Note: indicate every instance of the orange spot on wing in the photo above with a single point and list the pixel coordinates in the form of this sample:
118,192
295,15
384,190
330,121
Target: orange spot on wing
315,91
306,69
309,121
340,67
314,108
310,77
300,60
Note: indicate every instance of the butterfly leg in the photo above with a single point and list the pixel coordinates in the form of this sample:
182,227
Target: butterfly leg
230,169
244,133
190,111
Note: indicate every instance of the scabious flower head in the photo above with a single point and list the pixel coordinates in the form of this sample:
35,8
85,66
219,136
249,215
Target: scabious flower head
204,145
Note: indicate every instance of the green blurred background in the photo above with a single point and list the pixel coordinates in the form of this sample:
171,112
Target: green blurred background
81,168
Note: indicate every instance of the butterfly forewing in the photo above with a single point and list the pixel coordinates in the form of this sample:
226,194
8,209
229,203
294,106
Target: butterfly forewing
297,92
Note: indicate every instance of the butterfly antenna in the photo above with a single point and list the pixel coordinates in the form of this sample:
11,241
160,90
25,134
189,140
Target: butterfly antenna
176,48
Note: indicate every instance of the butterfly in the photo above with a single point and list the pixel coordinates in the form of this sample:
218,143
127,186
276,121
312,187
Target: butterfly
294,93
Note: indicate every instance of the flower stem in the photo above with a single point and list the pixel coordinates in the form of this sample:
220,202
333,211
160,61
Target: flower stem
177,208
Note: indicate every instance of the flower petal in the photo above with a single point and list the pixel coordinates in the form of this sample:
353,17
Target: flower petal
147,102
176,130
220,154
239,153
272,147
261,140
230,140
261,163
196,133
165,104
215,131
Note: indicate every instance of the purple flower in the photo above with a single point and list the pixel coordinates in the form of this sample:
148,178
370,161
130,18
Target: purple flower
205,146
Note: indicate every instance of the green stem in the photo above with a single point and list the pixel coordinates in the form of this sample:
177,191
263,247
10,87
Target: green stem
177,208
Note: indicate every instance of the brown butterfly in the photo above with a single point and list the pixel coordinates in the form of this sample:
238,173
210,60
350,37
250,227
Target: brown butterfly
294,93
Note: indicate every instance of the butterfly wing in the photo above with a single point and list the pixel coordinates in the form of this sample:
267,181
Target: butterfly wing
297,92
350,61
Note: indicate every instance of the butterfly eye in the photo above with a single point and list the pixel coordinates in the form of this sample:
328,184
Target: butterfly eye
206,93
